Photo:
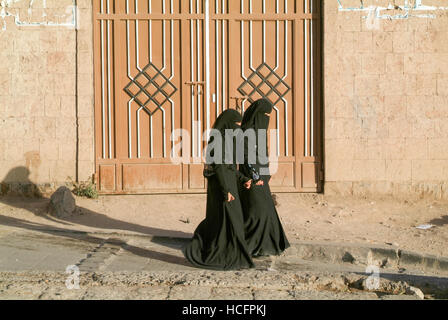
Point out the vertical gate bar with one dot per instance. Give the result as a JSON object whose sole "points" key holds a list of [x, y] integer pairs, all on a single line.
{"points": [[299, 101], [264, 31], [250, 38], [163, 69], [199, 88], [138, 133], [128, 65], [137, 58], [276, 38], [163, 38], [284, 77], [192, 80], [97, 87], [242, 52], [137, 38], [151, 133], [185, 94], [173, 112], [138, 68], [103, 85], [309, 92], [277, 111], [130, 128], [312, 81], [108, 85], [217, 59], [207, 62], [150, 30], [224, 73], [151, 138], [234, 55], [119, 100], [223, 106], [306, 84], [318, 148]]}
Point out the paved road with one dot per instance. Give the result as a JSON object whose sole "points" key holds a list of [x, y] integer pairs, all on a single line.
{"points": [[33, 265]]}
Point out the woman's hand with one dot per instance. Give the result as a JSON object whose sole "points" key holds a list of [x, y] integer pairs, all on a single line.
{"points": [[248, 184], [260, 183], [230, 198]]}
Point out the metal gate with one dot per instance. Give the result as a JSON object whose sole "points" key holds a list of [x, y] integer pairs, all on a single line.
{"points": [[164, 65]]}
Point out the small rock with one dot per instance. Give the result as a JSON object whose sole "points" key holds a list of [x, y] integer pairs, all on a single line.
{"points": [[344, 213], [416, 291], [62, 203]]}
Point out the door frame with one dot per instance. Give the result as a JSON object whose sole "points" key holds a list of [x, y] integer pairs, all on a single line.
{"points": [[309, 154]]}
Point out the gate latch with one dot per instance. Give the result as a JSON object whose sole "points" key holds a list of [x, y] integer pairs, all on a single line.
{"points": [[195, 84]]}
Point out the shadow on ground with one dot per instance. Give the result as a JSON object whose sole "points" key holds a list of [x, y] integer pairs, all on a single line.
{"points": [[440, 222], [101, 221]]}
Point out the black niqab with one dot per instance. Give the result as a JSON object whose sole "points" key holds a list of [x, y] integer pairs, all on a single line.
{"points": [[255, 116], [219, 241], [228, 120], [264, 233]]}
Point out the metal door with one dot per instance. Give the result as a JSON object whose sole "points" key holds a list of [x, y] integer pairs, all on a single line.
{"points": [[164, 65]]}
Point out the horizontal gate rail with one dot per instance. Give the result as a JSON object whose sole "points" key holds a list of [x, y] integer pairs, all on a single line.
{"points": [[150, 16], [265, 16], [193, 16]]}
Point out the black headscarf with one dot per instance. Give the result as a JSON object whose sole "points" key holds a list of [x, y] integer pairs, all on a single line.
{"points": [[226, 121], [255, 117]]}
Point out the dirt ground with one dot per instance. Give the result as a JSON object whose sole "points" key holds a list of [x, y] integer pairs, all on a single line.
{"points": [[248, 285], [304, 217]]}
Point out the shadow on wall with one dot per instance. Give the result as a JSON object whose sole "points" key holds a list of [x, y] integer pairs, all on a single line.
{"points": [[17, 182], [40, 205]]}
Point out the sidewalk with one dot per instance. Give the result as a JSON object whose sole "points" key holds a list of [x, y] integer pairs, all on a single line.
{"points": [[131, 243], [304, 218], [33, 265]]}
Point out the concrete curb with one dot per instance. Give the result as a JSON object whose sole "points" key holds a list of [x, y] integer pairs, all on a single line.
{"points": [[360, 254], [353, 253]]}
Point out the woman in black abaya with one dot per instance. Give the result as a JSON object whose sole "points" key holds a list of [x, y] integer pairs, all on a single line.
{"points": [[264, 232], [219, 241]]}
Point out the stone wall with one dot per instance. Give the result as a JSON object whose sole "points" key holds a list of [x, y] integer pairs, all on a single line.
{"points": [[44, 93], [386, 97]]}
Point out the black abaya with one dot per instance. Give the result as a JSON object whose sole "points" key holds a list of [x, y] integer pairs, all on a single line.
{"points": [[264, 232], [219, 241]]}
